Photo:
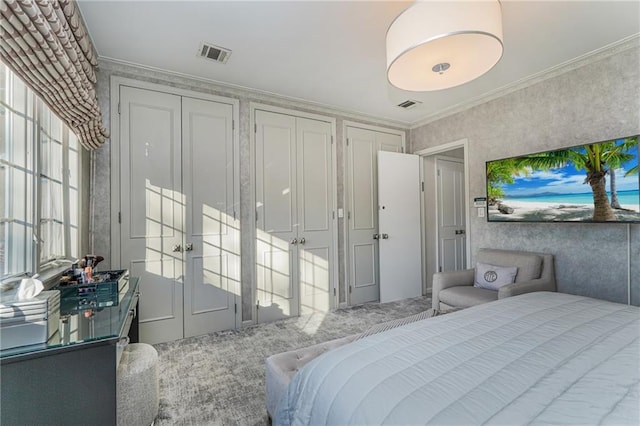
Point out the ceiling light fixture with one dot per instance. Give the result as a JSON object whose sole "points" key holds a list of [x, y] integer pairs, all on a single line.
{"points": [[436, 45]]}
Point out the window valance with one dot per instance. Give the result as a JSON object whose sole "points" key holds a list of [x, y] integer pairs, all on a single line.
{"points": [[46, 43]]}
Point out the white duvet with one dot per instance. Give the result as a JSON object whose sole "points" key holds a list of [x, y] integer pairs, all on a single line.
{"points": [[539, 358]]}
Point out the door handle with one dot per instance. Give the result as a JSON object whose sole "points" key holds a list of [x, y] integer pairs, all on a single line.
{"points": [[302, 241], [294, 241], [188, 247], [385, 236], [376, 236], [177, 248]]}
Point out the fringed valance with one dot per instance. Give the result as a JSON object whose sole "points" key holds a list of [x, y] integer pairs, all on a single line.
{"points": [[46, 44]]}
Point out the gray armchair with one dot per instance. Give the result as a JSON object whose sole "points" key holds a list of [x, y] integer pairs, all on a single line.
{"points": [[454, 289]]}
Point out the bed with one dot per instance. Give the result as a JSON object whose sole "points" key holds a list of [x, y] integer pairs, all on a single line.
{"points": [[538, 358]]}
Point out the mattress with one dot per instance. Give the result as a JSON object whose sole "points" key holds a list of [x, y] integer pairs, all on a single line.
{"points": [[538, 358]]}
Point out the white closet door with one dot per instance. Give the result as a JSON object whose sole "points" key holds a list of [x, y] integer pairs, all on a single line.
{"points": [[362, 214], [315, 222], [277, 292], [152, 208], [212, 239]]}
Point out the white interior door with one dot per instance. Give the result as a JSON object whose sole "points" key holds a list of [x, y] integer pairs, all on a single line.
{"points": [[152, 208], [362, 211], [399, 216], [212, 238], [277, 292], [452, 236], [315, 222]]}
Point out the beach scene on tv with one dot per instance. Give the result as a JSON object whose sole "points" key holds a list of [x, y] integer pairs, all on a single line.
{"points": [[596, 182]]}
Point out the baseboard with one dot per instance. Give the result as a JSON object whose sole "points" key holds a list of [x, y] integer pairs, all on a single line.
{"points": [[247, 323], [342, 305]]}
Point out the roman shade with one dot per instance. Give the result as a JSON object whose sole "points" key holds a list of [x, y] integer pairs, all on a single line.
{"points": [[45, 42]]}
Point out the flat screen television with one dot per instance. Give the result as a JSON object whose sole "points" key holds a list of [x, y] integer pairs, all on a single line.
{"points": [[596, 182]]}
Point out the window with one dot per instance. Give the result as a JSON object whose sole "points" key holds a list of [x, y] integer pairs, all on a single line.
{"points": [[40, 162]]}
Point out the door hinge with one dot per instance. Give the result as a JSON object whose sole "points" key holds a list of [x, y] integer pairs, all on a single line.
{"points": [[257, 304], [350, 289], [235, 308], [119, 217], [255, 127], [118, 107], [439, 268], [331, 140], [349, 215], [422, 185], [233, 124], [333, 214], [334, 291], [438, 172], [402, 149], [234, 215], [256, 215]]}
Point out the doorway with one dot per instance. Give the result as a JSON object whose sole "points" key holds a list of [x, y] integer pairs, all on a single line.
{"points": [[445, 209]]}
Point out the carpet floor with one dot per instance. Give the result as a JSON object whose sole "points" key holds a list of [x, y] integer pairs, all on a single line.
{"points": [[218, 378]]}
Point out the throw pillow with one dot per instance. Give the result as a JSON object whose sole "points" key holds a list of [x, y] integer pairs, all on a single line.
{"points": [[493, 277]]}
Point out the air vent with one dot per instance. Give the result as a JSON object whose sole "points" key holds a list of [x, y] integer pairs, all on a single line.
{"points": [[408, 104], [214, 53]]}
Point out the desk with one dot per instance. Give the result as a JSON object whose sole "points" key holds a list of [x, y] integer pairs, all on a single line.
{"points": [[71, 379]]}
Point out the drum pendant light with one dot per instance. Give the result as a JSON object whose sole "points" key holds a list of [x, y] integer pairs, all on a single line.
{"points": [[436, 45]]}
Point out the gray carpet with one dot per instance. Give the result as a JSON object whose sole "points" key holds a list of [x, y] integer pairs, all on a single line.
{"points": [[218, 378]]}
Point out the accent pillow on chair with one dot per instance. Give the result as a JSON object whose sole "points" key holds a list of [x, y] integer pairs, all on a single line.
{"points": [[492, 277]]}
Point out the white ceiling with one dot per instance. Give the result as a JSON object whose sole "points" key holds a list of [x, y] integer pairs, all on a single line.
{"points": [[333, 52]]}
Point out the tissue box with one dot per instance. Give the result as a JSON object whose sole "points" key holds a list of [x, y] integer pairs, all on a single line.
{"points": [[28, 322]]}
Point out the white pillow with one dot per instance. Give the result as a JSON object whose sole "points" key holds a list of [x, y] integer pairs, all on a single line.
{"points": [[493, 277]]}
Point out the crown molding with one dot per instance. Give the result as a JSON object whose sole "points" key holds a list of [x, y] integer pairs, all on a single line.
{"points": [[233, 90], [578, 62], [238, 91]]}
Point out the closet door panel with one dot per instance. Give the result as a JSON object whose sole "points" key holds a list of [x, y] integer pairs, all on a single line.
{"points": [[277, 293], [315, 279], [362, 216], [314, 175], [152, 207], [315, 232], [212, 257]]}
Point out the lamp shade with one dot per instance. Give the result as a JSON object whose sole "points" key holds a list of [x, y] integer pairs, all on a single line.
{"points": [[436, 45]]}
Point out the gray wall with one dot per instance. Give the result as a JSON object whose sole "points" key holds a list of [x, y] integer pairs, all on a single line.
{"points": [[598, 101], [101, 161]]}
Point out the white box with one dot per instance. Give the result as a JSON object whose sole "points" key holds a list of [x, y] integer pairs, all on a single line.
{"points": [[28, 322]]}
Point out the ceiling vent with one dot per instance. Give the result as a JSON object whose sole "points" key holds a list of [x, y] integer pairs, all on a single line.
{"points": [[214, 53], [409, 104]]}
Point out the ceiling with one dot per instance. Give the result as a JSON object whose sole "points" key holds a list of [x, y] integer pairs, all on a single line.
{"points": [[333, 52]]}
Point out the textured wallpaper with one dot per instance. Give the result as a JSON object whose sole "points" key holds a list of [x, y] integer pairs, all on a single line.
{"points": [[598, 101]]}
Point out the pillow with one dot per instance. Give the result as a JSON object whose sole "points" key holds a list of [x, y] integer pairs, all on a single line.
{"points": [[493, 277]]}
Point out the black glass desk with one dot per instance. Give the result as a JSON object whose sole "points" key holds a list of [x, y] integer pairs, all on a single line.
{"points": [[71, 379]]}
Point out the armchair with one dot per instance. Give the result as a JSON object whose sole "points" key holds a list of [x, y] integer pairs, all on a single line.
{"points": [[455, 289]]}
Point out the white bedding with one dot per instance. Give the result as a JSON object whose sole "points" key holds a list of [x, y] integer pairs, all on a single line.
{"points": [[539, 358]]}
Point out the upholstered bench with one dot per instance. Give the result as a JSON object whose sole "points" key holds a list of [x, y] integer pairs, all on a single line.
{"points": [[280, 368], [137, 385]]}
